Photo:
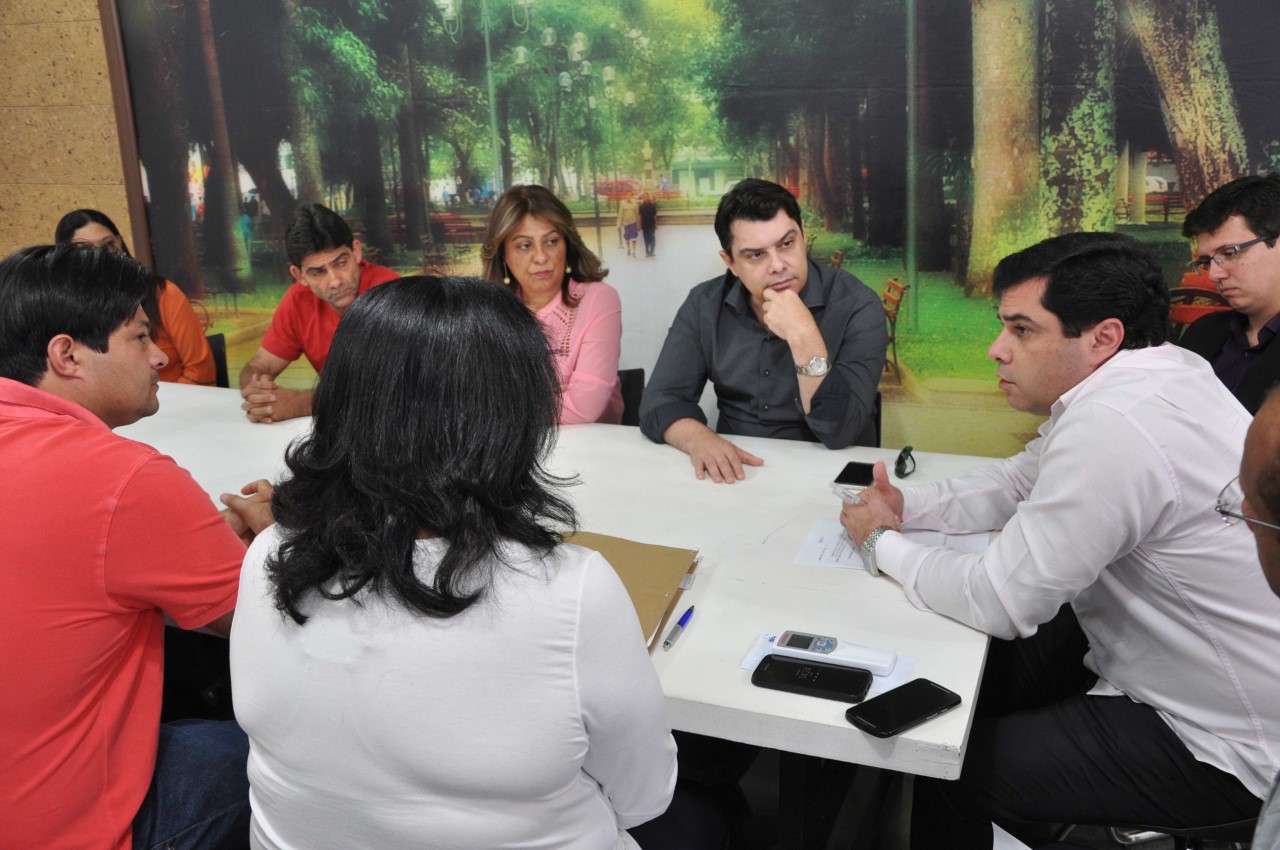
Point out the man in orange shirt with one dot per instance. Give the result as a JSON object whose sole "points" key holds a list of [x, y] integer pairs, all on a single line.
{"points": [[102, 538], [328, 272]]}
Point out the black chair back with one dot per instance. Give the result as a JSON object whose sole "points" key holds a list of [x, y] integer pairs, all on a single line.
{"points": [[632, 381], [218, 345]]}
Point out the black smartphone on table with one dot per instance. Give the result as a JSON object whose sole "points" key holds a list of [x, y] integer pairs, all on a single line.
{"points": [[902, 708], [853, 479], [812, 678]]}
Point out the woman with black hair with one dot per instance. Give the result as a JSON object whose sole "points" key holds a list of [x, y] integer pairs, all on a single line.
{"points": [[174, 325], [419, 661]]}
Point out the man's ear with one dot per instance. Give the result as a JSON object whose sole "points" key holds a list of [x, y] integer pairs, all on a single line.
{"points": [[296, 272], [355, 249], [61, 353], [728, 261], [1108, 336]]}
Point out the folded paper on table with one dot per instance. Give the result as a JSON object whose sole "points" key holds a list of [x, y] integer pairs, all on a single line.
{"points": [[654, 576]]}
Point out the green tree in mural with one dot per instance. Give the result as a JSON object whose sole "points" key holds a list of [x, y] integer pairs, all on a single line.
{"points": [[548, 74], [1006, 134], [820, 84], [154, 32], [656, 95], [354, 107], [1077, 95], [1183, 48], [225, 251], [303, 103], [255, 100]]}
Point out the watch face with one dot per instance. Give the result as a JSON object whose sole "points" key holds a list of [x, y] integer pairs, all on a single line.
{"points": [[816, 368]]}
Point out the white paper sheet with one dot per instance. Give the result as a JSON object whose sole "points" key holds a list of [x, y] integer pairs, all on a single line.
{"points": [[828, 546]]}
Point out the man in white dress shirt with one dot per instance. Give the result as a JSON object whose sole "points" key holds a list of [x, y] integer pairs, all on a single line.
{"points": [[1134, 679]]}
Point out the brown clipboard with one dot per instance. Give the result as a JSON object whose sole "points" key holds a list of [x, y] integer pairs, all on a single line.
{"points": [[653, 575]]}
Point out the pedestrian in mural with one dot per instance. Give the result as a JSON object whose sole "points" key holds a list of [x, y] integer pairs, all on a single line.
{"points": [[648, 223], [629, 222]]}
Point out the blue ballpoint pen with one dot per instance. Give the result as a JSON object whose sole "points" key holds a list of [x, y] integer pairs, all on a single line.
{"points": [[677, 629]]}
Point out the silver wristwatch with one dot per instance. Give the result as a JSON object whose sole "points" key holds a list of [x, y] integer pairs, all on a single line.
{"points": [[869, 548], [815, 368]]}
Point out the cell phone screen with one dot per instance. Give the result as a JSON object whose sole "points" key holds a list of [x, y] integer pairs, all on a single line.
{"points": [[856, 473], [902, 708], [812, 678]]}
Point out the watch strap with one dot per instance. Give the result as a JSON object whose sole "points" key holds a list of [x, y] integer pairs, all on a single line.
{"points": [[869, 548]]}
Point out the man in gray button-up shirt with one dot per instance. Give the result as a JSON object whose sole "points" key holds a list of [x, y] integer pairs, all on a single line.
{"points": [[794, 349]]}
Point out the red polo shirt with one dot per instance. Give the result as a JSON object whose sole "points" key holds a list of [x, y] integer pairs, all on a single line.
{"points": [[303, 324], [100, 537]]}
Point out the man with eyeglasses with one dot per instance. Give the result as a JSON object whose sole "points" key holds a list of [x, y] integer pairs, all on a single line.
{"points": [[1234, 232], [1134, 679], [1255, 498]]}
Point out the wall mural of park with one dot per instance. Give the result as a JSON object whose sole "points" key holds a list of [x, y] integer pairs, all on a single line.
{"points": [[925, 139]]}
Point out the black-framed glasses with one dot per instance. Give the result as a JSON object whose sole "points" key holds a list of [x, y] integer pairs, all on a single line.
{"points": [[905, 464], [1224, 255], [1231, 506]]}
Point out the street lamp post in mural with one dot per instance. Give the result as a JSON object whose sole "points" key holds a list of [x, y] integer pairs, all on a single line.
{"points": [[591, 153], [578, 66], [636, 50], [451, 12], [628, 99]]}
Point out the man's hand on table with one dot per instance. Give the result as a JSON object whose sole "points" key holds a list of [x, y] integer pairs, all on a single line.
{"points": [[881, 506], [249, 513], [266, 401], [710, 453]]}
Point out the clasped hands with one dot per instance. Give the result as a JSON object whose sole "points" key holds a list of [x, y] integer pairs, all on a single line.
{"points": [[250, 513], [266, 401], [881, 505]]}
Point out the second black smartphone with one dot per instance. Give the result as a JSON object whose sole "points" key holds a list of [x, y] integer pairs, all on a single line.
{"points": [[812, 678], [898, 710]]}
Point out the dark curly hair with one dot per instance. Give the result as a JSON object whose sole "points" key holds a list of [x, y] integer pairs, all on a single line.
{"points": [[433, 416]]}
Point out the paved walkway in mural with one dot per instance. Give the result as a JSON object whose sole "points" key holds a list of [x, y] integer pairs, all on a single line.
{"points": [[945, 415]]}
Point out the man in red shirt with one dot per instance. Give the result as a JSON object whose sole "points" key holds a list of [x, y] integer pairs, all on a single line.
{"points": [[328, 273], [102, 538]]}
